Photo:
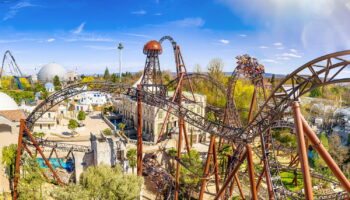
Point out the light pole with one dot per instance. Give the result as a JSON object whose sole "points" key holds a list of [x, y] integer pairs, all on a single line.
{"points": [[120, 47]]}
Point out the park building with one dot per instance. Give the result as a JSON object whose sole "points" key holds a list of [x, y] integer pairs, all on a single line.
{"points": [[10, 116], [153, 117], [49, 120]]}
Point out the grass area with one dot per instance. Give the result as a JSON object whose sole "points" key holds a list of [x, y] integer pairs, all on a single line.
{"points": [[287, 179]]}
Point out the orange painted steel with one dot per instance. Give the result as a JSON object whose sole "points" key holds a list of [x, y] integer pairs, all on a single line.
{"points": [[325, 155], [231, 176], [139, 131], [179, 148], [216, 168], [21, 144], [250, 154], [207, 165], [302, 151], [251, 172], [187, 142]]}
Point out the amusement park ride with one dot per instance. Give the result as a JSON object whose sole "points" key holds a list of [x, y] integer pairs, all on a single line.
{"points": [[9, 62], [266, 113]]}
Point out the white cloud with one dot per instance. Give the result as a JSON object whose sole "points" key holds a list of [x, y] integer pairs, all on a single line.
{"points": [[90, 39], [277, 44], [158, 14], [189, 22], [104, 48], [283, 58], [280, 48], [269, 61], [50, 40], [243, 35], [15, 9], [139, 12], [224, 41], [263, 47], [8, 41], [79, 29], [137, 35], [291, 55], [293, 50]]}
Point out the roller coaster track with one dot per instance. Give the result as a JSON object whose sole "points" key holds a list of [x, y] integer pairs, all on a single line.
{"points": [[316, 73]]}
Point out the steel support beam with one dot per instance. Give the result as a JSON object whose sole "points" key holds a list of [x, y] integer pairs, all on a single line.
{"points": [[139, 131], [231, 176], [179, 146], [18, 160], [207, 165], [302, 151], [325, 155]]}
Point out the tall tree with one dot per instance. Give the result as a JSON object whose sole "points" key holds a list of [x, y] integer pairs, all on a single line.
{"points": [[106, 75], [114, 78], [131, 155], [215, 67], [273, 80], [57, 83], [9, 161]]}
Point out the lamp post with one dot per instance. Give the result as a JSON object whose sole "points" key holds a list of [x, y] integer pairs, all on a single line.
{"points": [[120, 47]]}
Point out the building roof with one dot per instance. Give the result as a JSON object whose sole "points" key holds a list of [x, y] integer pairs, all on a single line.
{"points": [[49, 71], [49, 85], [7, 103], [14, 115]]}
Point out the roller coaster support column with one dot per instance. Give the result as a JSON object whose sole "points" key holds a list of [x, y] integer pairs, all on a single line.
{"points": [[139, 131], [231, 176], [179, 146], [18, 161], [325, 155], [207, 164], [216, 168], [302, 151], [250, 154]]}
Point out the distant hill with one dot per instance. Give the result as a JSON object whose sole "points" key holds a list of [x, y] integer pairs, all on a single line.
{"points": [[267, 75]]}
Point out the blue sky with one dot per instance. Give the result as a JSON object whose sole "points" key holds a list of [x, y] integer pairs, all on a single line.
{"points": [[282, 34]]}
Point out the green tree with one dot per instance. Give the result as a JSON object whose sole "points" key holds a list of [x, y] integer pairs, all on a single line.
{"points": [[39, 134], [121, 128], [44, 94], [106, 75], [223, 153], [9, 161], [131, 155], [32, 181], [114, 78], [272, 81], [316, 93], [57, 83], [189, 180], [324, 140], [71, 192], [172, 152], [81, 115], [72, 125], [104, 182]]}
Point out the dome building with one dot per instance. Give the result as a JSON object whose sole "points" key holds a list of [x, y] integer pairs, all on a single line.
{"points": [[49, 71], [7, 103]]}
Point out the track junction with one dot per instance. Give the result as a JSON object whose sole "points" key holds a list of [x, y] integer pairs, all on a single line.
{"points": [[265, 113]]}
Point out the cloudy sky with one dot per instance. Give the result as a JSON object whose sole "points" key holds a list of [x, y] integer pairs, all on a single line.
{"points": [[84, 34]]}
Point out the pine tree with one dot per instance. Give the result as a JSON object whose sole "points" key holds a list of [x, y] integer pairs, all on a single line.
{"points": [[57, 83], [106, 76]]}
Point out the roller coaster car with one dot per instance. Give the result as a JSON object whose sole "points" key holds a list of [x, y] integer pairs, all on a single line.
{"points": [[249, 66]]}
